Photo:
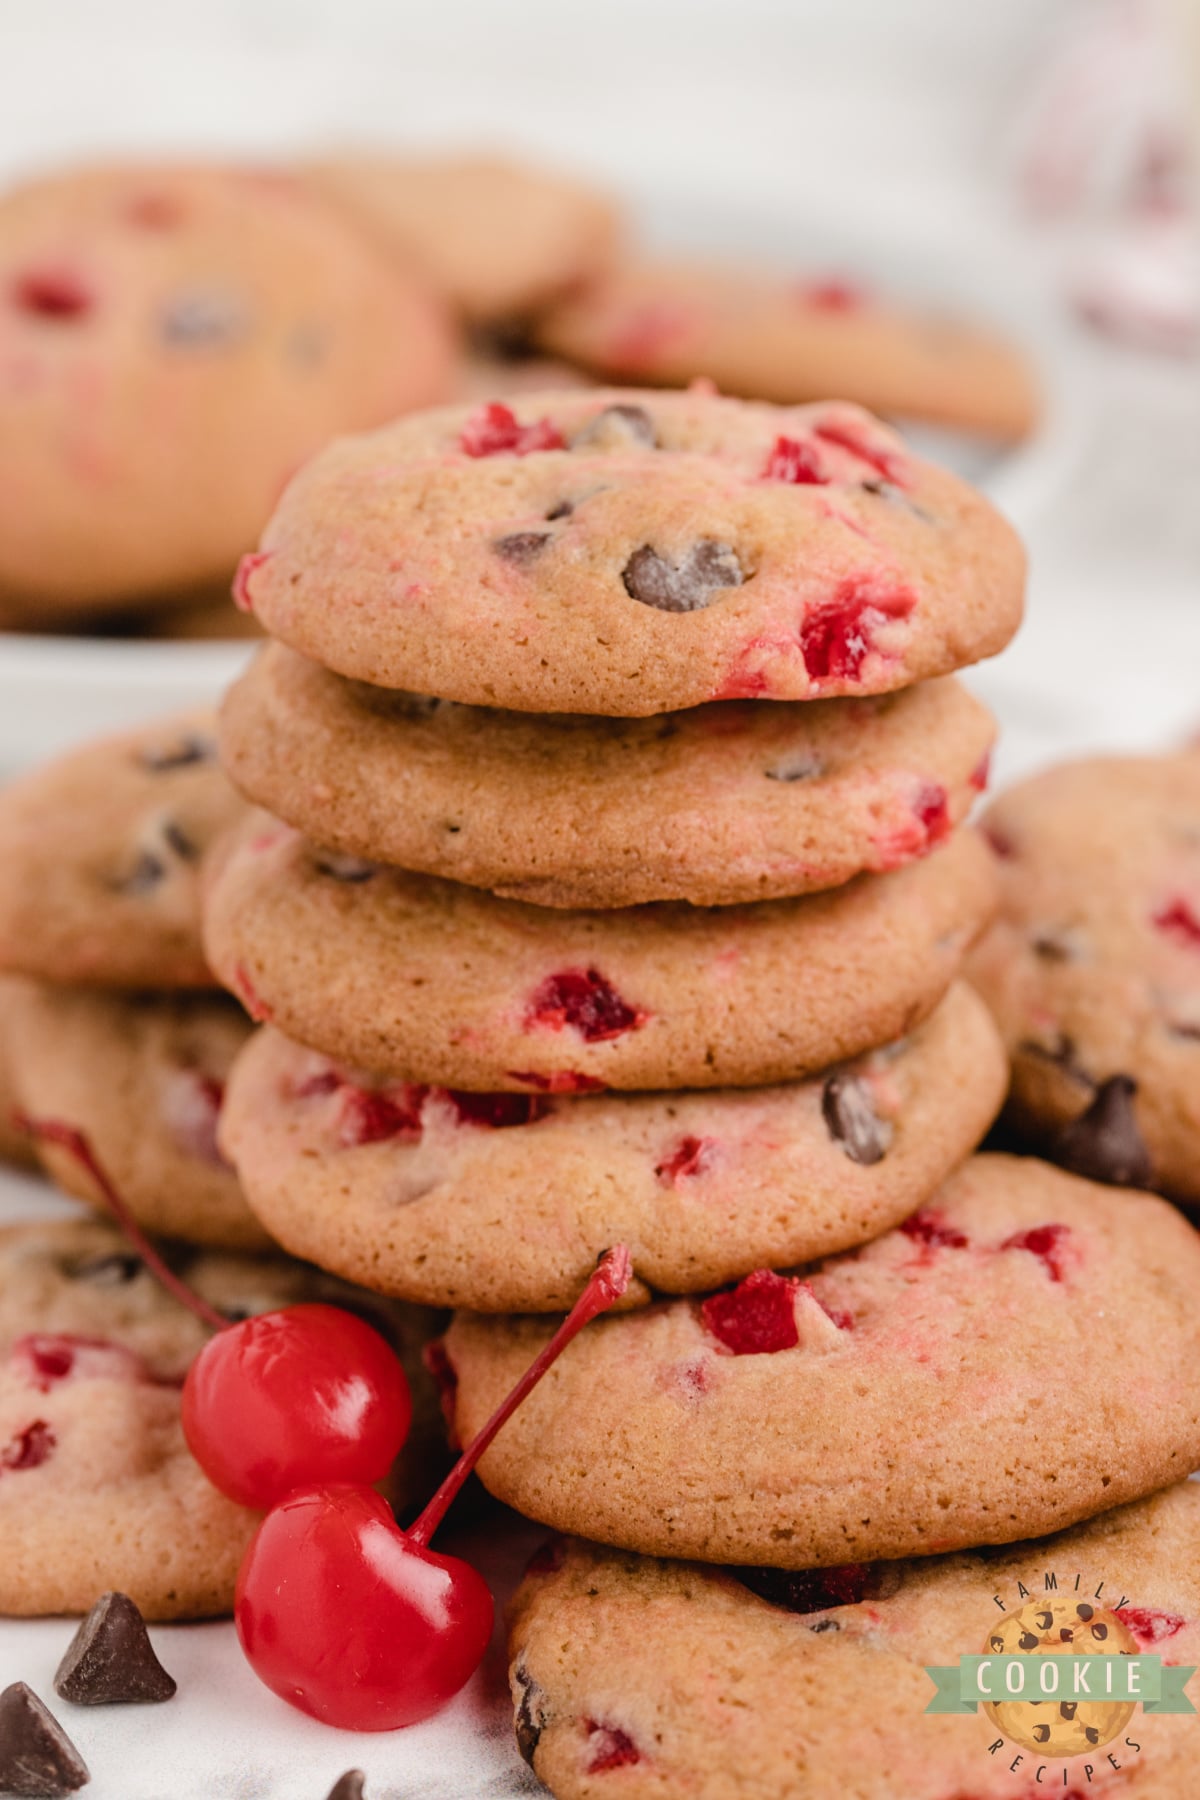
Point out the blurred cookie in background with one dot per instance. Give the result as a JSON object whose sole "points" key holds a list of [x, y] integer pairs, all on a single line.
{"points": [[495, 239], [765, 336], [175, 341]]}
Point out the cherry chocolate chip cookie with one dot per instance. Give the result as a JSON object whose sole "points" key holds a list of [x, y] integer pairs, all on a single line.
{"points": [[823, 1674], [917, 1395], [628, 553], [503, 1202], [1092, 967], [428, 981], [716, 805], [100, 854]]}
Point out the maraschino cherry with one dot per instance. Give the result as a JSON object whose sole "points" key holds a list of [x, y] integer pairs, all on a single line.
{"points": [[360, 1623], [282, 1400]]}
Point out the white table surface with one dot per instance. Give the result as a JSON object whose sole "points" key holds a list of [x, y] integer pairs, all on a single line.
{"points": [[894, 117]]}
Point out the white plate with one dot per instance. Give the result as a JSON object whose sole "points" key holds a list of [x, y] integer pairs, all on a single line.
{"points": [[57, 691]]}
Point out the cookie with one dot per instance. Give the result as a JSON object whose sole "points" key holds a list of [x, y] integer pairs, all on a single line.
{"points": [[718, 1684], [1092, 967], [14, 1144], [717, 805], [100, 854], [143, 1075], [920, 1394], [495, 239], [99, 1490], [429, 981], [503, 1202], [178, 341], [629, 553], [769, 338]]}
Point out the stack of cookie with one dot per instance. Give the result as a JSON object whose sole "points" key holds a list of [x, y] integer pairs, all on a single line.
{"points": [[111, 1016], [715, 874]]}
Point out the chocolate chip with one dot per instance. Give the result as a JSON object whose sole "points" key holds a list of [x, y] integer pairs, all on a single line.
{"points": [[529, 1720], [147, 871], [108, 1271], [1084, 1611], [1104, 1142], [707, 570], [1059, 944], [852, 1121], [617, 425], [348, 1786], [178, 840], [110, 1661], [820, 1625], [1066, 1635], [1062, 1053], [36, 1755], [1100, 1632], [996, 1643], [521, 546], [1027, 1641], [1042, 1733], [202, 318], [1091, 1734], [562, 510], [1043, 1620], [1067, 1708], [181, 754], [350, 869], [804, 765]]}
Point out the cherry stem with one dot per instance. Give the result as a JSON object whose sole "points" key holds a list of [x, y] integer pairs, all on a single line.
{"points": [[69, 1138], [608, 1282]]}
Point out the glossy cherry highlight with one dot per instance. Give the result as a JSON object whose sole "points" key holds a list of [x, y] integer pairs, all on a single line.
{"points": [[288, 1398], [359, 1623]]}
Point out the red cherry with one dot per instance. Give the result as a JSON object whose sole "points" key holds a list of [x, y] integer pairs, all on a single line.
{"points": [[339, 1612], [359, 1623], [286, 1399]]}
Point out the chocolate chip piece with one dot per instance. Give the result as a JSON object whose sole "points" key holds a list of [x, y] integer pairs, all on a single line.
{"points": [[36, 1755], [708, 568], [1100, 1632], [521, 546], [616, 426], [1085, 1611], [820, 1625], [348, 1786], [1062, 1053], [1057, 944], [111, 1271], [852, 1121], [1066, 1635], [1027, 1641], [202, 318], [177, 839], [804, 765], [181, 754], [529, 1720], [147, 871], [1104, 1142], [110, 1661], [1043, 1620], [562, 510], [351, 869], [1091, 1734], [1067, 1708], [1042, 1733]]}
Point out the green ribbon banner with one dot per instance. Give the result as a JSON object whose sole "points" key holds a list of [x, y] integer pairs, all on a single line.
{"points": [[962, 1686]]}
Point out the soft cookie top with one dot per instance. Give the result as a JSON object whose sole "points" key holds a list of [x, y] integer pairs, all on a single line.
{"points": [[919, 1394], [1093, 965], [100, 854], [629, 552], [173, 343]]}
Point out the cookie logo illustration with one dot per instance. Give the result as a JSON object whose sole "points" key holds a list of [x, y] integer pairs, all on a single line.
{"points": [[1062, 1670], [1069, 1726]]}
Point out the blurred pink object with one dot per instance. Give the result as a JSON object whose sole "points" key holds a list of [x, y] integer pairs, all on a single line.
{"points": [[1106, 163]]}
